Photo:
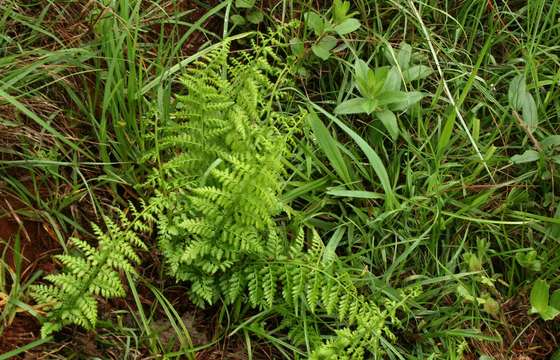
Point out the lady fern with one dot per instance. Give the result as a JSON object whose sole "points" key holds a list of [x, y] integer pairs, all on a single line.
{"points": [[218, 180], [221, 173], [71, 296], [218, 173], [305, 277]]}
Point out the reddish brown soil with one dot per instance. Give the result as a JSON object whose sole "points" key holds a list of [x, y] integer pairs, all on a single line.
{"points": [[525, 336], [36, 240], [22, 330], [35, 249]]}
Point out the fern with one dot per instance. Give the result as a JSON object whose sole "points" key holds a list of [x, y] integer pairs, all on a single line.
{"points": [[218, 181], [220, 177], [327, 289], [218, 172], [71, 296]]}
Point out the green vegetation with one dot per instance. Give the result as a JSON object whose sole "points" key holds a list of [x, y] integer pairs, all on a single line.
{"points": [[286, 180]]}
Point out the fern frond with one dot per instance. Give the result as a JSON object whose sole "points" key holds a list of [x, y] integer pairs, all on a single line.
{"points": [[72, 294]]}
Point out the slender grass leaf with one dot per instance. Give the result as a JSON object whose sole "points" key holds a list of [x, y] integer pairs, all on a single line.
{"points": [[373, 158], [329, 145], [356, 194], [45, 125], [304, 189], [329, 253]]}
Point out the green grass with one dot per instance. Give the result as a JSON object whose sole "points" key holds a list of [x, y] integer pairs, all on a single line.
{"points": [[442, 208]]}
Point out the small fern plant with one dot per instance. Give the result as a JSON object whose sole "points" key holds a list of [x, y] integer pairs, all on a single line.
{"points": [[71, 296], [220, 172], [292, 277]]}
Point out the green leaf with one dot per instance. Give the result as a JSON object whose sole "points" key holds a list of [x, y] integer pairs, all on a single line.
{"points": [[356, 106], [364, 77], [555, 299], [527, 157], [550, 313], [315, 22], [255, 17], [361, 70], [324, 47], [393, 80], [491, 306], [356, 194], [374, 159], [244, 4], [297, 46], [340, 10], [404, 55], [329, 253], [238, 20], [529, 260], [417, 72], [329, 145], [539, 297], [556, 355], [551, 141], [486, 357], [399, 100], [529, 109], [464, 293], [392, 97], [347, 26], [389, 120], [517, 90]]}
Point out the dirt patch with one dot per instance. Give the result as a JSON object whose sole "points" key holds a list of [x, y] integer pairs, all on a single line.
{"points": [[26, 246], [22, 330], [25, 243], [526, 337]]}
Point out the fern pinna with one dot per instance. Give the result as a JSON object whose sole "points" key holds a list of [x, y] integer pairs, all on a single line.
{"points": [[71, 296]]}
